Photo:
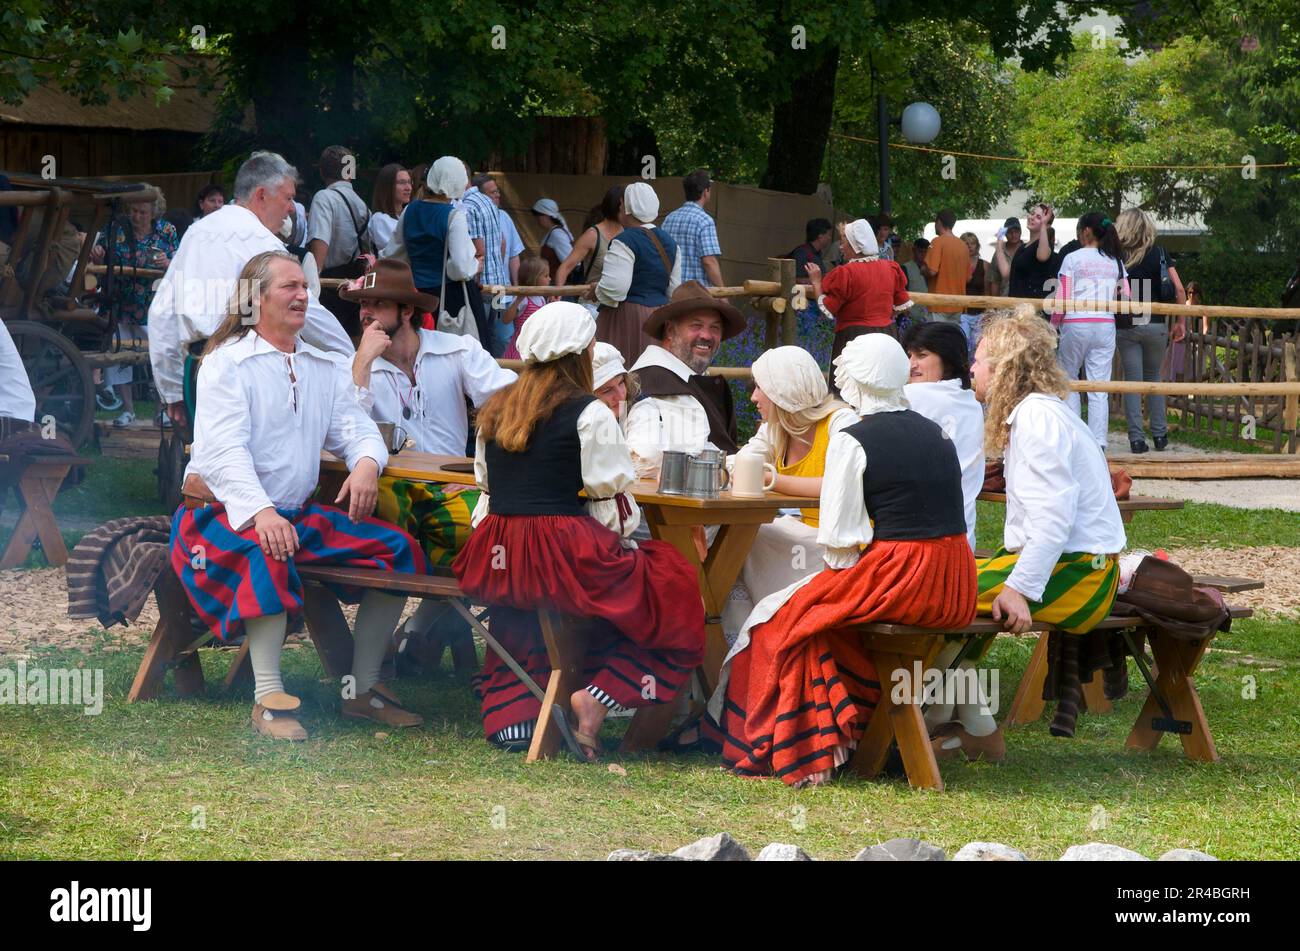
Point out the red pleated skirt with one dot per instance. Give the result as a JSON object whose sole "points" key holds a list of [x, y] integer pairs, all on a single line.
{"points": [[647, 615], [801, 695]]}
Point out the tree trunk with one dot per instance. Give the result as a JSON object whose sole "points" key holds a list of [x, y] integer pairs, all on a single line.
{"points": [[801, 125], [628, 155], [276, 64]]}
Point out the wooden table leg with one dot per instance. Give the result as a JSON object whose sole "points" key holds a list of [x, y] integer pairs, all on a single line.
{"points": [[1178, 661], [649, 725], [566, 647], [329, 630], [1028, 704], [38, 486]]}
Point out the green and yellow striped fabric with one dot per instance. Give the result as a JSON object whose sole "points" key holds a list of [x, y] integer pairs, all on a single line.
{"points": [[440, 522], [1079, 594]]}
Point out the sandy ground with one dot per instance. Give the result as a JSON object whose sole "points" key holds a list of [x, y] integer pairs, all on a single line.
{"points": [[33, 604], [1234, 493]]}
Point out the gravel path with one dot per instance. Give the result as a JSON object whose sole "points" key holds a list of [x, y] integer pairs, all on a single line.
{"points": [[33, 604]]}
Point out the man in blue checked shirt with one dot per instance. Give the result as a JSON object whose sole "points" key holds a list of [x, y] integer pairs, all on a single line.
{"points": [[696, 233], [484, 220]]}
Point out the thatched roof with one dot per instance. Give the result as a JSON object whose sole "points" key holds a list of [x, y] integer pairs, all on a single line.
{"points": [[186, 111]]}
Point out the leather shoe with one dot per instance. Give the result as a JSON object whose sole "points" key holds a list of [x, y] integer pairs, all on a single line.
{"points": [[274, 716], [1137, 445], [379, 704], [952, 740], [1162, 443]]}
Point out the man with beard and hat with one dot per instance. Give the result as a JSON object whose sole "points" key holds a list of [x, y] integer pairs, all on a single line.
{"points": [[680, 407], [420, 380]]}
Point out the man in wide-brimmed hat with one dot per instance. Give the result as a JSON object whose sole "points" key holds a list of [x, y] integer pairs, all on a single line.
{"points": [[419, 380], [680, 407]]}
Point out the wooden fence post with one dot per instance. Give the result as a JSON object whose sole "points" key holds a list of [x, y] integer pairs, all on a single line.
{"points": [[1291, 410]]}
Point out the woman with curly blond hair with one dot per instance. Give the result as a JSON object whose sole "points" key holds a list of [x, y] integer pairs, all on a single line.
{"points": [[1063, 529]]}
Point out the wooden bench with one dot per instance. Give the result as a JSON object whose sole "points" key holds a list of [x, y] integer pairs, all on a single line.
{"points": [[37, 485], [899, 647], [174, 645]]}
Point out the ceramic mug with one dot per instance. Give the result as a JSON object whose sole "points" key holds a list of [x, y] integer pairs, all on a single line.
{"points": [[749, 476]]}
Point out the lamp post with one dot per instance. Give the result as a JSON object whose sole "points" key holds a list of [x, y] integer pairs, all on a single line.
{"points": [[920, 123]]}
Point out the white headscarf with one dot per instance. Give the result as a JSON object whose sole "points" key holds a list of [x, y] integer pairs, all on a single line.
{"points": [[606, 363], [548, 207], [862, 238], [641, 202], [555, 330], [791, 378], [871, 373], [447, 177]]}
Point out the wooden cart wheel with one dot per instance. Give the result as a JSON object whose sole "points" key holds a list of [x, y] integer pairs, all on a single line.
{"points": [[60, 378]]}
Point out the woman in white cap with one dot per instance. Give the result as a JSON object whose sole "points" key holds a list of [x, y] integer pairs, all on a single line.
{"points": [[640, 273], [799, 418], [557, 239], [611, 382], [799, 691], [865, 293], [433, 237], [538, 543]]}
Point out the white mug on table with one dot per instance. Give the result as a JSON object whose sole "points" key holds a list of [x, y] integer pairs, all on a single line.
{"points": [[748, 477]]}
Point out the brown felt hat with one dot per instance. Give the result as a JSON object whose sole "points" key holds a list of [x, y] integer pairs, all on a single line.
{"points": [[689, 297], [390, 280]]}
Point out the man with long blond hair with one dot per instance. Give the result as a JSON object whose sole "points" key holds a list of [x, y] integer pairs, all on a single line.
{"points": [[542, 441], [1063, 530], [268, 403]]}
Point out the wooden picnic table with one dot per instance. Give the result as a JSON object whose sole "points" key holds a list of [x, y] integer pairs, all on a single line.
{"points": [[1127, 507], [37, 485], [670, 518]]}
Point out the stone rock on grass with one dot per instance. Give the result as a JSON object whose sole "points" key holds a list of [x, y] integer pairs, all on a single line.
{"points": [[1101, 852], [988, 852], [1186, 855], [901, 850], [640, 855], [716, 848], [781, 852]]}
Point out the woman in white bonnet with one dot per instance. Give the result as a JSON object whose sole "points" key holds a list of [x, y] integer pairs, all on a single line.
{"points": [[799, 690], [799, 418], [611, 382]]}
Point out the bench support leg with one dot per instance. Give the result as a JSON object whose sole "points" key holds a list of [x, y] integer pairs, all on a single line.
{"points": [[329, 631], [566, 646], [1028, 704], [37, 488], [1177, 662], [171, 635], [241, 669], [903, 722]]}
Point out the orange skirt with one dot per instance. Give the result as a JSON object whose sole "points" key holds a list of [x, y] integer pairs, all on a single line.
{"points": [[803, 692]]}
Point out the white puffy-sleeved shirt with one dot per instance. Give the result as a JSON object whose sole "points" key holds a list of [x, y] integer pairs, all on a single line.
{"points": [[616, 274], [16, 398], [193, 295], [448, 368], [606, 471], [263, 418], [656, 423], [1059, 496], [961, 418], [843, 522]]}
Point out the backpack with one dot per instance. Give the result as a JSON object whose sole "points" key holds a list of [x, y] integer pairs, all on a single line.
{"points": [[1167, 294]]}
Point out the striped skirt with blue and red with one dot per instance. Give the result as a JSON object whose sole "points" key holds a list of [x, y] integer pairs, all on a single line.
{"points": [[230, 580]]}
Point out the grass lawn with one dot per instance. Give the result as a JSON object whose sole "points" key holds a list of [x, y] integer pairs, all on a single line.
{"points": [[188, 779]]}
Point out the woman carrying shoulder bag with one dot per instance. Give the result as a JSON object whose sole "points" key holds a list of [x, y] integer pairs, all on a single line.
{"points": [[1142, 347]]}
